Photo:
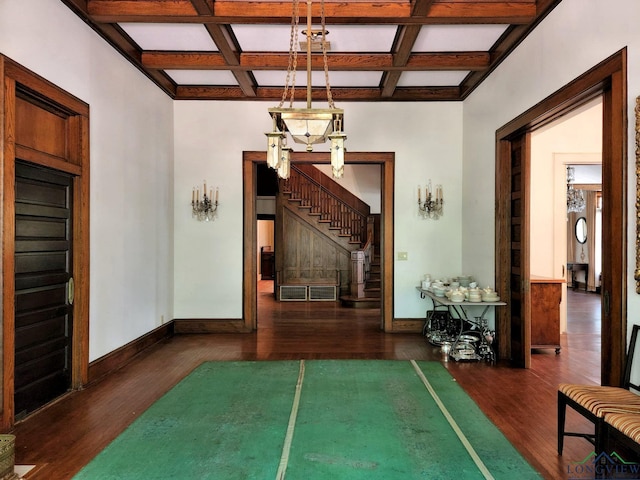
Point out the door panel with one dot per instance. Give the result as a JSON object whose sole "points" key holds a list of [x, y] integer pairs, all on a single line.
{"points": [[43, 314], [519, 302]]}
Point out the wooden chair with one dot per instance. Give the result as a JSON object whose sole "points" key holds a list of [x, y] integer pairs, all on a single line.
{"points": [[595, 401], [622, 429]]}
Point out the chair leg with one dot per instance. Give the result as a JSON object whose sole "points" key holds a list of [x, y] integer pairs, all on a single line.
{"points": [[600, 436], [562, 412]]}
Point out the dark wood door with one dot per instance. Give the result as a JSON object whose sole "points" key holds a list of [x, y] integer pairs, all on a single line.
{"points": [[519, 301], [43, 286]]}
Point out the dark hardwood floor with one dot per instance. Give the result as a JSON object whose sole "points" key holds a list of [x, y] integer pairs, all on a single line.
{"points": [[67, 434]]}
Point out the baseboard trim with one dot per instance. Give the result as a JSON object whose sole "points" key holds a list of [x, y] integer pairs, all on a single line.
{"points": [[407, 325], [116, 359], [209, 325]]}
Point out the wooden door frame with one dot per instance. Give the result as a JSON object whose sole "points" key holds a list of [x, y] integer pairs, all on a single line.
{"points": [[249, 282], [17, 80], [607, 79]]}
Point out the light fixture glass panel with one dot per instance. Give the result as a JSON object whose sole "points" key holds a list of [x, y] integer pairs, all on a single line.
{"points": [[274, 149], [284, 169], [308, 128], [337, 154]]}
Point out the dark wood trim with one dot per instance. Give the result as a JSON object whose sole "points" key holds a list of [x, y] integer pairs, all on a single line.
{"points": [[249, 282], [502, 245], [19, 81], [120, 357], [8, 249], [386, 243], [609, 80], [614, 226], [407, 325], [209, 325]]}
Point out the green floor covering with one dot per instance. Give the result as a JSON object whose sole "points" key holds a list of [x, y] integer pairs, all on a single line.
{"points": [[356, 419]]}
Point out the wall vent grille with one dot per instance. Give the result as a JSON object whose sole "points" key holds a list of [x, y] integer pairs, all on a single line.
{"points": [[290, 293], [322, 293]]}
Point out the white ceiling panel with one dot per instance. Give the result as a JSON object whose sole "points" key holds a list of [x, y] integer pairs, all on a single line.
{"points": [[262, 38], [271, 78], [170, 36], [202, 77], [343, 38], [435, 78], [457, 38]]}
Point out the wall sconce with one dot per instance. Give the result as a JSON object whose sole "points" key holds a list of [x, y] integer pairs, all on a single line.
{"points": [[433, 200], [204, 209]]}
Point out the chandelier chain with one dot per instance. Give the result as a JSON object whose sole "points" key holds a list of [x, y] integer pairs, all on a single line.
{"points": [[324, 56], [293, 57]]}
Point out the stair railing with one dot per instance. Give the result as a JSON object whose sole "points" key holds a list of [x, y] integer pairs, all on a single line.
{"points": [[361, 267], [329, 207]]}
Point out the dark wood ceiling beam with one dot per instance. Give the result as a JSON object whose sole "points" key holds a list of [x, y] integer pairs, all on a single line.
{"points": [[448, 61], [335, 61], [250, 12], [339, 94], [203, 7], [230, 51], [390, 82], [405, 39], [119, 40], [420, 8], [505, 45]]}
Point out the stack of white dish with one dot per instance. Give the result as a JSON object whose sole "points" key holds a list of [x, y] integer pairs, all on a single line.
{"points": [[489, 295], [474, 295], [457, 296], [438, 291]]}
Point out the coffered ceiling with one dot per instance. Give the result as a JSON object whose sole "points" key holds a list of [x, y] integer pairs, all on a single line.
{"points": [[387, 50]]}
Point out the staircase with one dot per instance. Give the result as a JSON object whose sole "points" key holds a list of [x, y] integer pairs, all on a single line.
{"points": [[343, 217], [371, 298], [343, 214]]}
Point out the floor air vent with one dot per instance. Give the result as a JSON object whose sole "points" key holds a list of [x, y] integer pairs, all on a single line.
{"points": [[290, 293], [322, 292]]}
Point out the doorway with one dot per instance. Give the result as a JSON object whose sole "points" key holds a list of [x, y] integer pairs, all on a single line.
{"points": [[251, 160], [565, 229], [48, 128], [608, 80]]}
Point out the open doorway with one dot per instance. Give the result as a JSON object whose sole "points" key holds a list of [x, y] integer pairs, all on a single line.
{"points": [[606, 80], [251, 160], [297, 238], [566, 233]]}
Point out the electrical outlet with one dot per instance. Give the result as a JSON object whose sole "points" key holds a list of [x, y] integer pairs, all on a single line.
{"points": [[403, 256], [161, 319]]}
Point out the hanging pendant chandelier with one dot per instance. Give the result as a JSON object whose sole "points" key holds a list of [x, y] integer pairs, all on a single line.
{"points": [[308, 125], [575, 198]]}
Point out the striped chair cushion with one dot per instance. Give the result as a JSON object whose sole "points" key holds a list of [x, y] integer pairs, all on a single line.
{"points": [[626, 423], [601, 400]]}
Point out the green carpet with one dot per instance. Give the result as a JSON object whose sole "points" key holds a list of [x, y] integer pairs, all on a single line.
{"points": [[350, 419]]}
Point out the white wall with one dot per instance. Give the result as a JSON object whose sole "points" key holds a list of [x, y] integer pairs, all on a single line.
{"points": [[361, 180], [578, 137], [131, 139], [209, 140], [577, 35]]}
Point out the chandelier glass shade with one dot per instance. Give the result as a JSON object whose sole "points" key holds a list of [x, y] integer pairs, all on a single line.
{"points": [[575, 198], [307, 126]]}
